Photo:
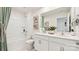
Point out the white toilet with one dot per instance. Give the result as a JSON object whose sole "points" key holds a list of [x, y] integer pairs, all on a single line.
{"points": [[30, 45]]}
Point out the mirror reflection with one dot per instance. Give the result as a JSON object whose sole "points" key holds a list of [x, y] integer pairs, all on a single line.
{"points": [[58, 20]]}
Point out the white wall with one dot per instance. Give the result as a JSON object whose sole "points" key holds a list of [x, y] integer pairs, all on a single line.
{"points": [[15, 35]]}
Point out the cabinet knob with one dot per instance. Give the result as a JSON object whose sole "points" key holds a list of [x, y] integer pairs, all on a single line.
{"points": [[77, 43], [61, 48]]}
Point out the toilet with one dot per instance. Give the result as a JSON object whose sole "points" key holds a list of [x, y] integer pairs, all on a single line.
{"points": [[30, 44]]}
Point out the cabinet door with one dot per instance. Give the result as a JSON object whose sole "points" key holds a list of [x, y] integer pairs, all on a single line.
{"points": [[44, 45], [41, 45], [54, 46], [37, 44]]}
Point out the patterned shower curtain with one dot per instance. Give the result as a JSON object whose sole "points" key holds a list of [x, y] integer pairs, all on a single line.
{"points": [[4, 19]]}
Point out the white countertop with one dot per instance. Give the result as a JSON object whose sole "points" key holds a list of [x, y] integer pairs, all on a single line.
{"points": [[69, 37]]}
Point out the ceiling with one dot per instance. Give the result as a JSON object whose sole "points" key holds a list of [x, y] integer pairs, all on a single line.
{"points": [[27, 9]]}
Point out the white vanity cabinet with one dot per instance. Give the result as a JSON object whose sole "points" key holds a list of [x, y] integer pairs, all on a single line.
{"points": [[53, 43]]}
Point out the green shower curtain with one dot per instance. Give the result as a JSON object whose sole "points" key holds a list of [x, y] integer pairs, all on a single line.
{"points": [[4, 19], [42, 21]]}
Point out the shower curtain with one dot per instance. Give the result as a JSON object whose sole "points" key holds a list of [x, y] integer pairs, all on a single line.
{"points": [[4, 19]]}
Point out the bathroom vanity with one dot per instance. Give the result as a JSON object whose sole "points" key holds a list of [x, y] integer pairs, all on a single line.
{"points": [[54, 42]]}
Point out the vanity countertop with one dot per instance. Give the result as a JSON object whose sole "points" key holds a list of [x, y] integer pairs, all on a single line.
{"points": [[69, 37]]}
